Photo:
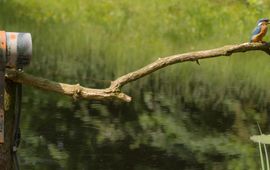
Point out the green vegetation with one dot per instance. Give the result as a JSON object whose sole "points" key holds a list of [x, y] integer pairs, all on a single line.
{"points": [[188, 115], [262, 140]]}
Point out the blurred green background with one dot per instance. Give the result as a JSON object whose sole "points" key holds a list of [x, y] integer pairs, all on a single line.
{"points": [[185, 116]]}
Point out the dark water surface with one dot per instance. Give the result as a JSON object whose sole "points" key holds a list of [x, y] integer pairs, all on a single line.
{"points": [[156, 131]]}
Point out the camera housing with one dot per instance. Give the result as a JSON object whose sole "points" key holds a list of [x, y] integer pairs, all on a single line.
{"points": [[15, 49]]}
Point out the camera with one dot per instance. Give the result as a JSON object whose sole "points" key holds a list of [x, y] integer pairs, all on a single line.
{"points": [[15, 49]]}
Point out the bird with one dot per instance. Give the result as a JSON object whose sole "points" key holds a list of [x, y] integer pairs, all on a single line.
{"points": [[260, 30]]}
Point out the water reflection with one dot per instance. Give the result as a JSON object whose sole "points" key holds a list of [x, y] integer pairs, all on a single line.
{"points": [[156, 132]]}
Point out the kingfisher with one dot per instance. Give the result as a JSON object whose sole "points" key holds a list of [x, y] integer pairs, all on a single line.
{"points": [[260, 30]]}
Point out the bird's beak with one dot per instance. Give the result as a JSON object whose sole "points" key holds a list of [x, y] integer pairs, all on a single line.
{"points": [[268, 22]]}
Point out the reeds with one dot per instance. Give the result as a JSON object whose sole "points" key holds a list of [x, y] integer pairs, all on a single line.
{"points": [[262, 140]]}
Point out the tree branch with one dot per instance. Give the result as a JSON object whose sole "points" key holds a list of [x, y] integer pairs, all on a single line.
{"points": [[76, 91], [191, 56], [113, 92]]}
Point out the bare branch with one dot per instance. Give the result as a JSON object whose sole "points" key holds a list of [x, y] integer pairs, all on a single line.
{"points": [[191, 56], [76, 91], [113, 92]]}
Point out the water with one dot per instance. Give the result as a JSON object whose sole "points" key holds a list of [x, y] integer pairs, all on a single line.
{"points": [[154, 132]]}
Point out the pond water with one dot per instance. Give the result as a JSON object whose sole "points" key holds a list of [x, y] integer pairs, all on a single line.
{"points": [[156, 131]]}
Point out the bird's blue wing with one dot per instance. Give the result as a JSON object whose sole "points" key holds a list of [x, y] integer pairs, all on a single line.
{"points": [[256, 31]]}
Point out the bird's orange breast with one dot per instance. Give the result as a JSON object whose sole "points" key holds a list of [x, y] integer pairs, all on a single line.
{"points": [[259, 37]]}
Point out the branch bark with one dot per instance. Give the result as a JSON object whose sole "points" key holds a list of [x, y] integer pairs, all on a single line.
{"points": [[113, 92], [76, 91]]}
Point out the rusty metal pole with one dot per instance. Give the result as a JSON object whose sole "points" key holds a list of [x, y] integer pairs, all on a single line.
{"points": [[6, 158]]}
